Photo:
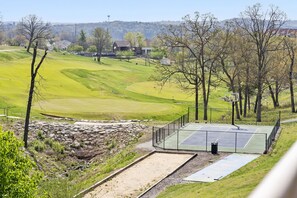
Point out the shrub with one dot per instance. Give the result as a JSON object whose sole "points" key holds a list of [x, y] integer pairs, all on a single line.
{"points": [[17, 175], [48, 142], [40, 135], [38, 145], [57, 147]]}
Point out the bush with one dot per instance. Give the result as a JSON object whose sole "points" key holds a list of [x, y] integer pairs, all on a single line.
{"points": [[40, 135], [57, 147], [38, 145], [49, 142], [17, 175]]}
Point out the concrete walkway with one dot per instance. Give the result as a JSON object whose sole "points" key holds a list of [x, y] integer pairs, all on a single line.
{"points": [[289, 120], [222, 168]]}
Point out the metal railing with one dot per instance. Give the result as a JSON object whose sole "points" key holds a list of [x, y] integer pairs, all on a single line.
{"points": [[281, 180], [159, 134], [272, 135]]}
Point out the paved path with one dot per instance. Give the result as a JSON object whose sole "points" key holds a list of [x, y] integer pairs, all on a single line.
{"points": [[289, 120], [222, 168]]}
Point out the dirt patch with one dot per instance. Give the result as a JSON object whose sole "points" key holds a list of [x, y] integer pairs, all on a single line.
{"points": [[141, 176]]}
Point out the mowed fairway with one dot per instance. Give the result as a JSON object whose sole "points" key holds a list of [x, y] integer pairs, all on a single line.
{"points": [[76, 86]]}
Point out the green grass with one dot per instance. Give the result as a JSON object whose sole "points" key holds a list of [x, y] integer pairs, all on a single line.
{"points": [[77, 80], [243, 181], [75, 86]]}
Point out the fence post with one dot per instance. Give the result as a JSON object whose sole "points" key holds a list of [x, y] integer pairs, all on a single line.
{"points": [[266, 142], [210, 115], [168, 130], [153, 136], [236, 142], [206, 137], [177, 139], [164, 138], [188, 114]]}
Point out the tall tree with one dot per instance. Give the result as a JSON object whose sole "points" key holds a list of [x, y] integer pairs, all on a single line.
{"points": [[230, 61], [33, 74], [291, 48], [261, 27], [196, 38], [101, 41], [82, 40], [33, 29], [136, 39]]}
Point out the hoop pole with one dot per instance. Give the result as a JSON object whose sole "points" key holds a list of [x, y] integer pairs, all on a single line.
{"points": [[232, 113]]}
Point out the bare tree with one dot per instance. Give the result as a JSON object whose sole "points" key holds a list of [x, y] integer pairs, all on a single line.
{"points": [[277, 76], [196, 39], [101, 41], [290, 48], [230, 61], [34, 29], [262, 27], [34, 72]]}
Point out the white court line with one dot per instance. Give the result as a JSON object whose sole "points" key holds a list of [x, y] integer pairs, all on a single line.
{"points": [[250, 139]]}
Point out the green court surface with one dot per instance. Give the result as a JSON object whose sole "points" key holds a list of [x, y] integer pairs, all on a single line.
{"points": [[227, 138]]}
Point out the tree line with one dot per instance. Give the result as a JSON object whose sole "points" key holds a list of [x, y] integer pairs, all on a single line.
{"points": [[249, 54]]}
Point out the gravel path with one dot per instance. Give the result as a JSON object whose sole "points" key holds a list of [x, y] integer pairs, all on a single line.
{"points": [[200, 161], [134, 180]]}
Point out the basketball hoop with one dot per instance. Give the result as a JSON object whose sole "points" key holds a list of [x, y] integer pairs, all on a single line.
{"points": [[232, 98]]}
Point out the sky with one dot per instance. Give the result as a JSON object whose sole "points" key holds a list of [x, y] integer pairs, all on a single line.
{"points": [[84, 11]]}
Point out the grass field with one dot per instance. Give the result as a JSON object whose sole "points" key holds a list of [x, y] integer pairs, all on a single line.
{"points": [[75, 86]]}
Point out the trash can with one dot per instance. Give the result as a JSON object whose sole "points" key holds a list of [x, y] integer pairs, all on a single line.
{"points": [[214, 148]]}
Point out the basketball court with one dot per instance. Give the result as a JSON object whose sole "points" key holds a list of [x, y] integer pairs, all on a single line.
{"points": [[229, 138]]}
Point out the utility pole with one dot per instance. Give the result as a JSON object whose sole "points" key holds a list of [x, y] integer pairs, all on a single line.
{"points": [[108, 16]]}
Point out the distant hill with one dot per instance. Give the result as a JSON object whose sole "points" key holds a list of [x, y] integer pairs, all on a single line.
{"points": [[118, 29]]}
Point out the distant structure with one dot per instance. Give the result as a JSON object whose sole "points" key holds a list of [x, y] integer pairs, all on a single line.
{"points": [[289, 32], [121, 46]]}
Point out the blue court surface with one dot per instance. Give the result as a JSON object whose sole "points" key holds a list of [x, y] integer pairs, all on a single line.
{"points": [[230, 138], [222, 168], [224, 135]]}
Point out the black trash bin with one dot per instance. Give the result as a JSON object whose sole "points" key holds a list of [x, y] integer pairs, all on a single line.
{"points": [[214, 148]]}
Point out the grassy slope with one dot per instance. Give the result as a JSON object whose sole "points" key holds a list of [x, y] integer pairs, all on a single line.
{"points": [[243, 181], [77, 87]]}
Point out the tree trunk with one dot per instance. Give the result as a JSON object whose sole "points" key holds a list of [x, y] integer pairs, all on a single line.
{"points": [[249, 100], [29, 45], [205, 103], [259, 101], [272, 96], [256, 103], [28, 112], [277, 90], [292, 89], [34, 72], [245, 106], [196, 99]]}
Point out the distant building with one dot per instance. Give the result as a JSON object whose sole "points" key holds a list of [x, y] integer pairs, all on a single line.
{"points": [[148, 47], [62, 45], [121, 46]]}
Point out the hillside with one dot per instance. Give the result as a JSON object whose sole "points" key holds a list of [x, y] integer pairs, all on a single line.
{"points": [[117, 29], [75, 86]]}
